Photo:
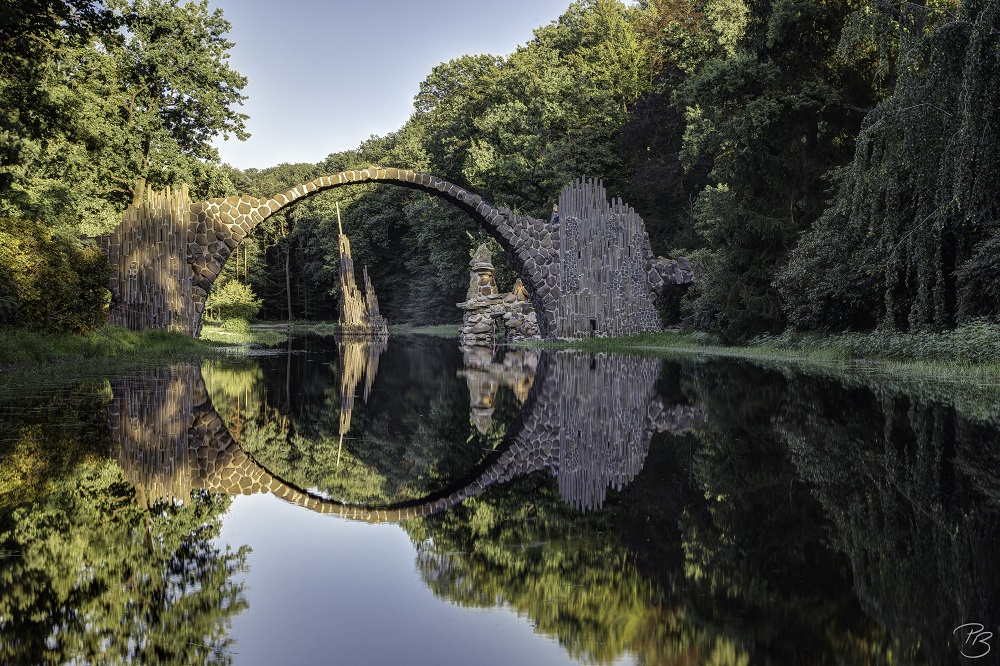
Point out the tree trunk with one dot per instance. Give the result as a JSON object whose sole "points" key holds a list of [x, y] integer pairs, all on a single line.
{"points": [[288, 282], [138, 191]]}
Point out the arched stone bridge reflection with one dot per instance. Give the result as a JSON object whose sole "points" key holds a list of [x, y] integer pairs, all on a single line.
{"points": [[587, 419]]}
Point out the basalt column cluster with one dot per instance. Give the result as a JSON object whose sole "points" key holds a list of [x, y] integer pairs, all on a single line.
{"points": [[609, 278], [359, 313], [152, 285]]}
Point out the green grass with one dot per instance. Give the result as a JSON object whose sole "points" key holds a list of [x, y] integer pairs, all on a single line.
{"points": [[275, 332], [439, 330], [30, 358], [25, 347], [257, 335], [969, 354]]}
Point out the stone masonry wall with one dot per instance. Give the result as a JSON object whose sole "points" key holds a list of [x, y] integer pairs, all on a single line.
{"points": [[608, 288], [485, 307]]}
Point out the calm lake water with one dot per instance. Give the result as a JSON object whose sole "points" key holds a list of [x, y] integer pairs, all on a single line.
{"points": [[411, 503]]}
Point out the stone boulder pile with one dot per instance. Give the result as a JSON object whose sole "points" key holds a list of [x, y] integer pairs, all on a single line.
{"points": [[670, 272], [487, 310]]}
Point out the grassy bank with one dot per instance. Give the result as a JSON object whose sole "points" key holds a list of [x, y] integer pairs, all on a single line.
{"points": [[968, 353], [439, 330], [30, 358], [24, 347]]}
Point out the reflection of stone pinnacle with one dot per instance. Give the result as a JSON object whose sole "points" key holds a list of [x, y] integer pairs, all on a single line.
{"points": [[340, 447], [482, 418]]}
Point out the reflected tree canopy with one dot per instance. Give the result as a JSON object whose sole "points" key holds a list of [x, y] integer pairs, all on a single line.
{"points": [[703, 512], [90, 571]]}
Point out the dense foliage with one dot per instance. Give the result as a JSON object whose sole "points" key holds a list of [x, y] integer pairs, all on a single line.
{"points": [[233, 300], [91, 572], [910, 240], [418, 445], [48, 281], [98, 98], [828, 163]]}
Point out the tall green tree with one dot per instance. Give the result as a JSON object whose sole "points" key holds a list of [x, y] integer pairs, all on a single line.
{"points": [[559, 101], [773, 118], [119, 94]]}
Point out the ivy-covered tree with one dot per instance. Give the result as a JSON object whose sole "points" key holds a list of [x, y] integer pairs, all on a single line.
{"points": [[910, 241]]}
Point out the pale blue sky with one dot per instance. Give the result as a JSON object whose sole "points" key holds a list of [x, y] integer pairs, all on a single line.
{"points": [[324, 76]]}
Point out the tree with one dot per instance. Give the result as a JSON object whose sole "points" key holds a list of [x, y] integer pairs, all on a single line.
{"points": [[48, 281], [915, 215], [234, 300], [774, 119], [559, 102], [100, 577], [121, 94], [450, 100], [176, 91]]}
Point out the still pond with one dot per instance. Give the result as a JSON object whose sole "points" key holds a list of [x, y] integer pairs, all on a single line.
{"points": [[413, 503]]}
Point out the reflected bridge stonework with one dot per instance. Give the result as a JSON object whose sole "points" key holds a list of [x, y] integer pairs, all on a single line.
{"points": [[591, 433]]}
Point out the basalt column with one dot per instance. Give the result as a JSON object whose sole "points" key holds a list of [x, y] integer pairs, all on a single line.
{"points": [[606, 266], [151, 283]]}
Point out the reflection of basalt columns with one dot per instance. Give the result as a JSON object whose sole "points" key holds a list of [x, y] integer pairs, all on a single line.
{"points": [[587, 419], [150, 415], [358, 357]]}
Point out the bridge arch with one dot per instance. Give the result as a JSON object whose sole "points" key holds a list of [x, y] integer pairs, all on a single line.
{"points": [[216, 227], [170, 439]]}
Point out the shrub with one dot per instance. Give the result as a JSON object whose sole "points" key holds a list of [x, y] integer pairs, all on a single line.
{"points": [[234, 300], [50, 281], [236, 325]]}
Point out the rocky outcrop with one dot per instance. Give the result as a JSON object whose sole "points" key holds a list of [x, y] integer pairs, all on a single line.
{"points": [[665, 272], [356, 310], [487, 311]]}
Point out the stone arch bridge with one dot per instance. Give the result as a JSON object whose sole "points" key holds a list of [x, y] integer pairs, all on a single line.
{"points": [[588, 420], [588, 270]]}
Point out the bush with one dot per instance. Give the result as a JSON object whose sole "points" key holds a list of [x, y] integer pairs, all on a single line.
{"points": [[236, 325], [234, 300], [975, 342], [49, 281]]}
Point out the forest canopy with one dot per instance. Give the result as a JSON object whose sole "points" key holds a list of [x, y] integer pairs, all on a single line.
{"points": [[827, 164]]}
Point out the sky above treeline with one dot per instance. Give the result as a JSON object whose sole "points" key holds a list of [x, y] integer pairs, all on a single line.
{"points": [[324, 75]]}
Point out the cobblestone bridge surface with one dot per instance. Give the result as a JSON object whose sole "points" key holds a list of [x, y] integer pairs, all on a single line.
{"points": [[587, 420]]}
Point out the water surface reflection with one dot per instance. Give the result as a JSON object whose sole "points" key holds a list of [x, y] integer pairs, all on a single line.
{"points": [[586, 419], [622, 508]]}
